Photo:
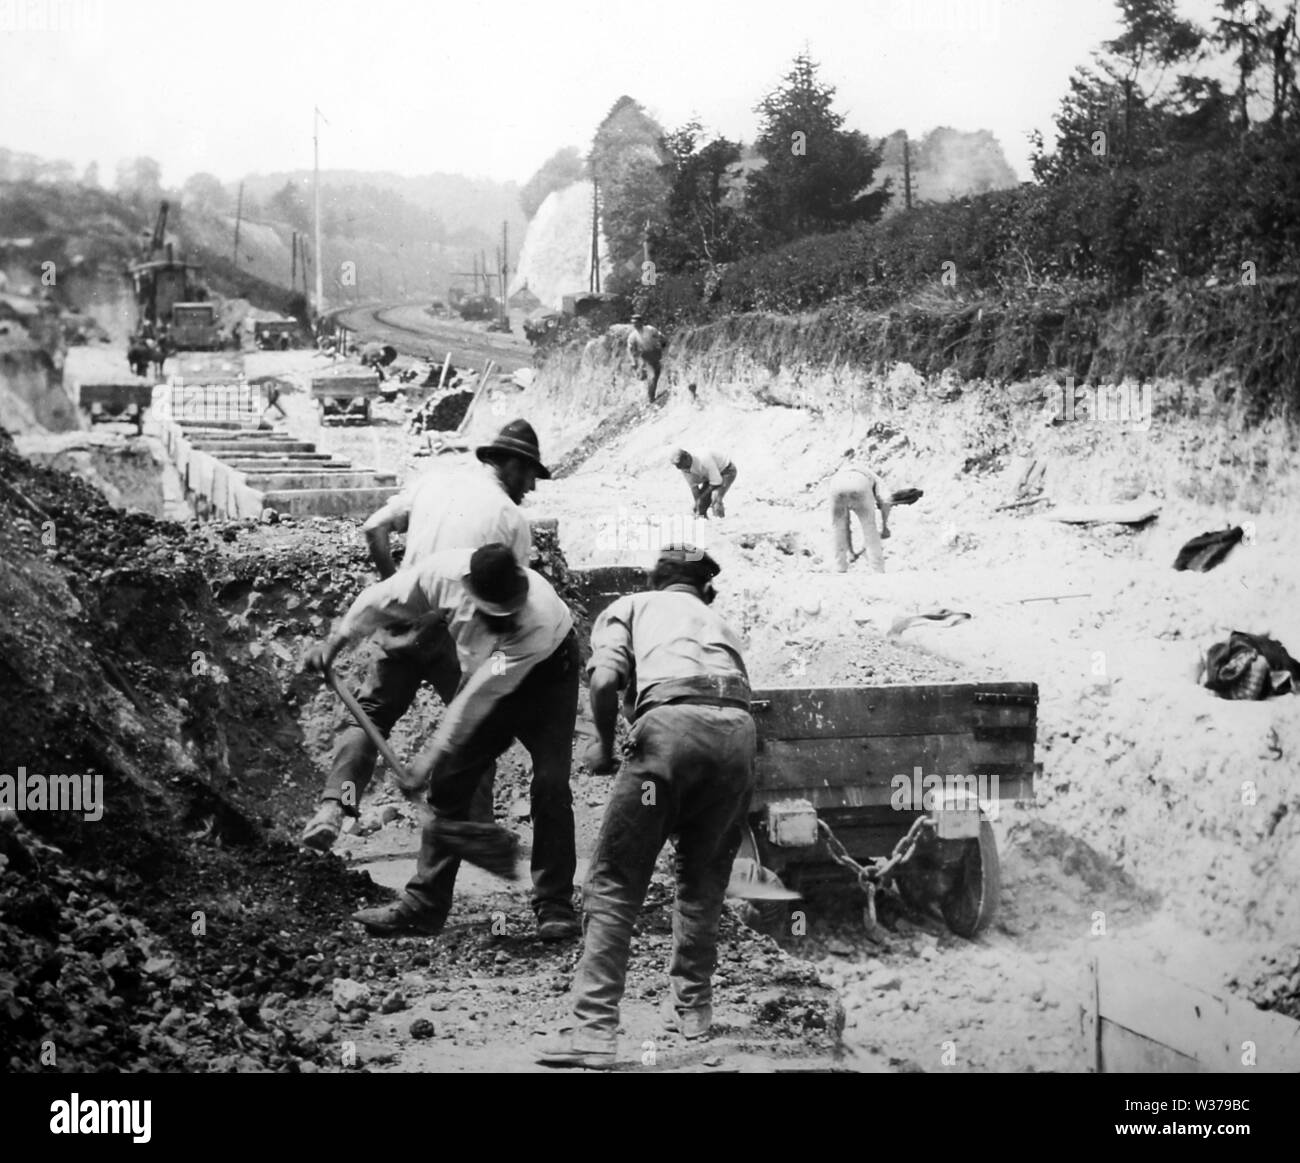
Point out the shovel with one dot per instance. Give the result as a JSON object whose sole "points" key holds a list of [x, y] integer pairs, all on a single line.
{"points": [[750, 881], [409, 786]]}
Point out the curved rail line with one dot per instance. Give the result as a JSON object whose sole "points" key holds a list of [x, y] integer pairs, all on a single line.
{"points": [[468, 348]]}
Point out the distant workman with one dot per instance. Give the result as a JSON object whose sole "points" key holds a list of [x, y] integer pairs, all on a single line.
{"points": [[272, 389], [688, 771], [854, 489], [442, 511], [645, 347], [709, 475], [520, 657], [378, 356]]}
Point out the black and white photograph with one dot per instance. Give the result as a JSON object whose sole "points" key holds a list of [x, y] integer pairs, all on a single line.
{"points": [[699, 538]]}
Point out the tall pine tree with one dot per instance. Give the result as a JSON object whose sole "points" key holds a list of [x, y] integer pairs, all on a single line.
{"points": [[818, 174]]}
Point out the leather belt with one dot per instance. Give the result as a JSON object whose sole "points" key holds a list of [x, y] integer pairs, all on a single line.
{"points": [[701, 690]]}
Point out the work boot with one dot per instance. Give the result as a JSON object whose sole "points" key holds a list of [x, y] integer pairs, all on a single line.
{"points": [[324, 827], [557, 922], [695, 1023], [489, 846], [399, 917], [578, 1048]]}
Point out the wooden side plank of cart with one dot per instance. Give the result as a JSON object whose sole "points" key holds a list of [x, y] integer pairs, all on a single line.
{"points": [[893, 785], [1140, 1021]]}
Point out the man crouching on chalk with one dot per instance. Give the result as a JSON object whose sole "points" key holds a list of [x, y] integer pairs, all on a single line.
{"points": [[519, 655]]}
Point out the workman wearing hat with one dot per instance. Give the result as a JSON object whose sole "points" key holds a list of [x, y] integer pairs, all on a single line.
{"points": [[645, 347], [710, 476], [441, 511], [688, 771], [519, 654]]}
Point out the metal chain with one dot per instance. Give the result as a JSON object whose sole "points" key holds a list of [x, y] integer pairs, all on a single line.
{"points": [[868, 876]]}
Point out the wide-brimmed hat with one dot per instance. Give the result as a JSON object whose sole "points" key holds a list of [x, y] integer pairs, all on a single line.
{"points": [[516, 439], [691, 559], [495, 581]]}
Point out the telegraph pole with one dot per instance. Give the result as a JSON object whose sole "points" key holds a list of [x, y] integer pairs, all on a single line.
{"points": [[907, 172], [594, 284], [505, 267], [239, 213], [315, 142]]}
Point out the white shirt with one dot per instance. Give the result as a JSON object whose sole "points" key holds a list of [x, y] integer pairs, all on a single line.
{"points": [[664, 634], [708, 467], [455, 510], [494, 663]]}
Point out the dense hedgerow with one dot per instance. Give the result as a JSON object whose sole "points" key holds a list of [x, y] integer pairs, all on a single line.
{"points": [[1120, 231]]}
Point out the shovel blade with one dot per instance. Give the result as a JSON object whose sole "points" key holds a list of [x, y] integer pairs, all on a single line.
{"points": [[750, 881]]}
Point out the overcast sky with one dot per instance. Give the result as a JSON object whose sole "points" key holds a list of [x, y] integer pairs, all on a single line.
{"points": [[492, 89]]}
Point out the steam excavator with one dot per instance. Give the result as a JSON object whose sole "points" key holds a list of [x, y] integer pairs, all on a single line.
{"points": [[173, 315], [173, 312]]}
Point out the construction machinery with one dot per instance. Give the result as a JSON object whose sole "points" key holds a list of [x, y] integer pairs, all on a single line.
{"points": [[278, 334], [541, 326], [173, 308], [599, 309], [173, 315]]}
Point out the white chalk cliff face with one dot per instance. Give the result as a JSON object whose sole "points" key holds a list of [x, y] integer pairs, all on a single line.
{"points": [[556, 256]]}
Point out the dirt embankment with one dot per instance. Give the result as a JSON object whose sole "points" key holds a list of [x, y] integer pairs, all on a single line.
{"points": [[132, 945], [32, 398]]}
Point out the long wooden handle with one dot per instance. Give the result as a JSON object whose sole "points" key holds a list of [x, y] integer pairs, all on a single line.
{"points": [[367, 725]]}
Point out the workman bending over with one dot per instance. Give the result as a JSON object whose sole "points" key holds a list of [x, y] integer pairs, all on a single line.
{"points": [[709, 476], [687, 771], [854, 489], [519, 654]]}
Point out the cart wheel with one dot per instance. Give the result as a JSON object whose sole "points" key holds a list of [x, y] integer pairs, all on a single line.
{"points": [[971, 905]]}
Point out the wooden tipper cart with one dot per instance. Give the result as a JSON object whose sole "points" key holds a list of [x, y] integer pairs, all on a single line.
{"points": [[119, 400], [345, 393], [894, 784]]}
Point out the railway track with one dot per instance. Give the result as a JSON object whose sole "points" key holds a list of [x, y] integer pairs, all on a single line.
{"points": [[412, 332]]}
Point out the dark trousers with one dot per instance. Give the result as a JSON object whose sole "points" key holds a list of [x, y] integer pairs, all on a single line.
{"points": [[540, 713], [404, 661], [651, 364], [689, 771]]}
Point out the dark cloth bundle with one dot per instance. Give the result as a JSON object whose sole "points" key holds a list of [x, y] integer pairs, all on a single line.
{"points": [[1203, 553], [906, 496], [1250, 666]]}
